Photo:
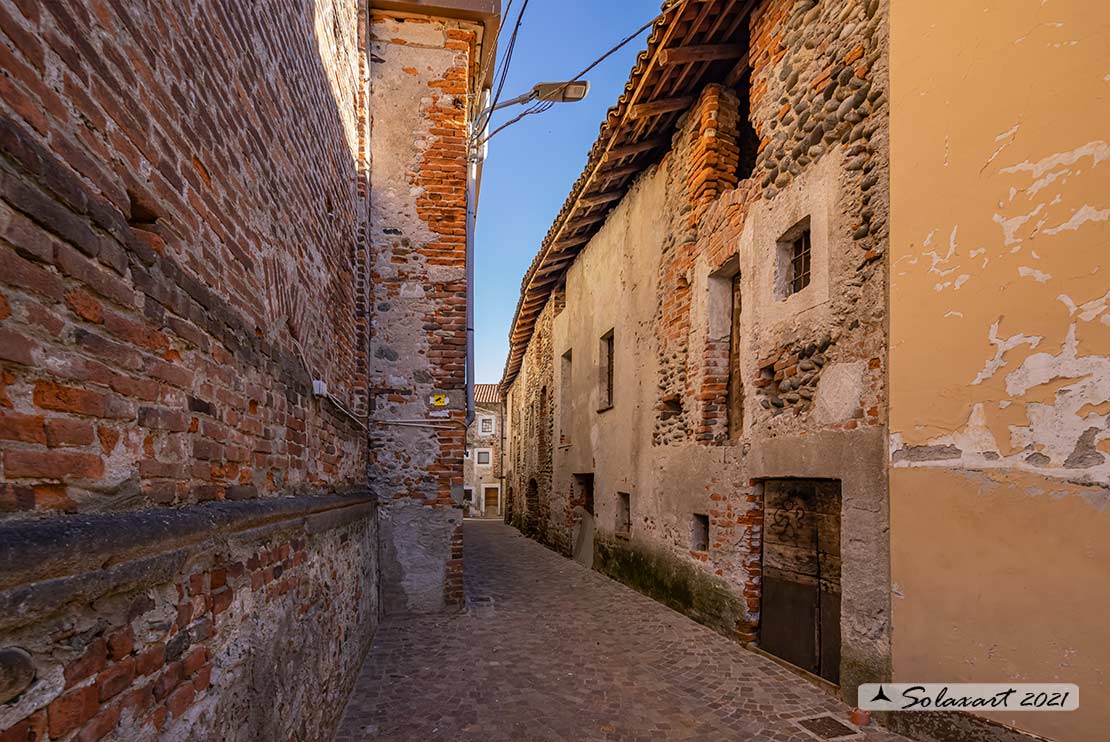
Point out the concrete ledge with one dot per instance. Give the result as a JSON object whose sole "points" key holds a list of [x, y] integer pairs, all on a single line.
{"points": [[46, 563]]}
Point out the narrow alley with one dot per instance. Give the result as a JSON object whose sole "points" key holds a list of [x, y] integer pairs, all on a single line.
{"points": [[550, 650]]}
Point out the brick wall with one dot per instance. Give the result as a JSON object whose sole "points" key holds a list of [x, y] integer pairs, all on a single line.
{"points": [[182, 199], [173, 280], [420, 76]]}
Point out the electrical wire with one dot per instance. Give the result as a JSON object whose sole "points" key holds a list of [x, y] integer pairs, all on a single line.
{"points": [[506, 62], [544, 105], [492, 55]]}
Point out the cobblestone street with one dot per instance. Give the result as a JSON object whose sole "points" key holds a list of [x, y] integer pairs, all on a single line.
{"points": [[549, 650]]}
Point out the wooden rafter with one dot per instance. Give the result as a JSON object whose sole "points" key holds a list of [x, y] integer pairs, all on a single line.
{"points": [[584, 221], [656, 107], [600, 198], [700, 53], [627, 150]]}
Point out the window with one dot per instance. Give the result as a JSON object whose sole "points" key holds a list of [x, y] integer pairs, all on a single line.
{"points": [[699, 532], [624, 513], [606, 359], [564, 399], [794, 257], [799, 262], [468, 494], [484, 456], [486, 425]]}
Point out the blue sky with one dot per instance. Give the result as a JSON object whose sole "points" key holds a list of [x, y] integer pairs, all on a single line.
{"points": [[533, 163]]}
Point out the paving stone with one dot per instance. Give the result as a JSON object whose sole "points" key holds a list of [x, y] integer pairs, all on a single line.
{"points": [[550, 650]]}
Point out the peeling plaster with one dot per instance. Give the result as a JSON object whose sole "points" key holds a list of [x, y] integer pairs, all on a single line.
{"points": [[1003, 345]]}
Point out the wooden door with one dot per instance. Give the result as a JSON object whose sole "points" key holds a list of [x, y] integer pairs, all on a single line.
{"points": [[491, 502], [800, 619]]}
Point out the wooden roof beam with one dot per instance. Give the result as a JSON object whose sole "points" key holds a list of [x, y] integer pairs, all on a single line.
{"points": [[618, 172], [737, 73], [700, 53], [656, 107], [584, 221], [601, 198], [563, 243], [618, 153]]}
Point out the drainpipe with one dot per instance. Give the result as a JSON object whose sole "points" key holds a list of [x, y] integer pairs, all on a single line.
{"points": [[476, 154], [471, 207]]}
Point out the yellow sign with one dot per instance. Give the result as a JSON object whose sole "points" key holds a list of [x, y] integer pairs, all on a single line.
{"points": [[439, 400]]}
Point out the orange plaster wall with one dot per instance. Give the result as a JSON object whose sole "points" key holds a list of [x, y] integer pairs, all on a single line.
{"points": [[1000, 347]]}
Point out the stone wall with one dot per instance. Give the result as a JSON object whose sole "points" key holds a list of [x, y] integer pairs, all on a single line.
{"points": [[182, 198], [420, 76], [531, 423], [803, 137], [234, 621]]}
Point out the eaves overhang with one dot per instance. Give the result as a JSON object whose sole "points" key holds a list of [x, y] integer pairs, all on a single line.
{"points": [[692, 43]]}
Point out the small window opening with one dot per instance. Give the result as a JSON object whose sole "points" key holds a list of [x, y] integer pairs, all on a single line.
{"points": [[699, 532], [484, 457], [565, 369], [794, 260], [624, 513], [607, 354]]}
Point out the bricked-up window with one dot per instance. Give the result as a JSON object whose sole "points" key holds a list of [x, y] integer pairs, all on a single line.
{"points": [[794, 258], [699, 532], [724, 326], [735, 383], [606, 355], [584, 491], [484, 456], [565, 368], [624, 513]]}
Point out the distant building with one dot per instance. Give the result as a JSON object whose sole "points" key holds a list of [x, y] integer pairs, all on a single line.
{"points": [[482, 467]]}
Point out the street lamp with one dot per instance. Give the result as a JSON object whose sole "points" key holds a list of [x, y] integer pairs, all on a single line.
{"points": [[570, 91], [554, 92]]}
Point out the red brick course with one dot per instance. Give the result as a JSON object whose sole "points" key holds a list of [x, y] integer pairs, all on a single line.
{"points": [[177, 241]]}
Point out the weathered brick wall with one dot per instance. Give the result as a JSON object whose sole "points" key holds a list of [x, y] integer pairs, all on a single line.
{"points": [[252, 626], [420, 77], [180, 214]]}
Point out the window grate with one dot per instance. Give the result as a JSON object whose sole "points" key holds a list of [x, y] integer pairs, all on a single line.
{"points": [[799, 262]]}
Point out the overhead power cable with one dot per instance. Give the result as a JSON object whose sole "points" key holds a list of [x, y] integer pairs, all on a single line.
{"points": [[543, 105], [492, 54], [506, 62]]}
